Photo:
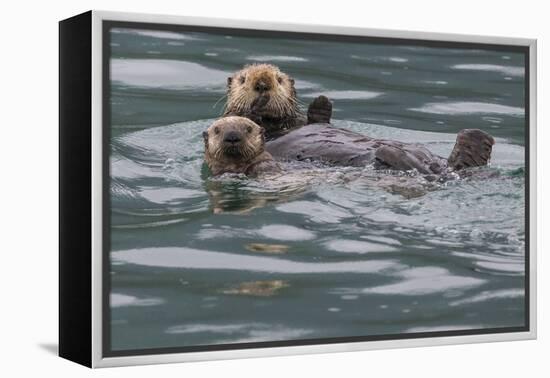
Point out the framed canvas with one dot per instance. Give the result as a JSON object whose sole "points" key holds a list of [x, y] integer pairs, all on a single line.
{"points": [[235, 188]]}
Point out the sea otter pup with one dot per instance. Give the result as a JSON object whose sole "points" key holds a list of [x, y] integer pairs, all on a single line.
{"points": [[237, 145], [264, 94]]}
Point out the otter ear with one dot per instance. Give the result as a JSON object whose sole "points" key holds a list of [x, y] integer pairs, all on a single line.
{"points": [[291, 81], [229, 80], [262, 130], [205, 135]]}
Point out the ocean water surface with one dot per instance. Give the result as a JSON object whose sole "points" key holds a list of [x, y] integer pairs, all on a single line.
{"points": [[315, 252]]}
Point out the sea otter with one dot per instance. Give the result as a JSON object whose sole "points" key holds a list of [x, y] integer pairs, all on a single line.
{"points": [[237, 145], [264, 94], [323, 142]]}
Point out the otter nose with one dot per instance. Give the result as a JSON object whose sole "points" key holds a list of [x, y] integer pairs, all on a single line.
{"points": [[232, 137], [261, 86]]}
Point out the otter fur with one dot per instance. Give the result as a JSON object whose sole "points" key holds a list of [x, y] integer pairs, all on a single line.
{"points": [[237, 145], [323, 142], [264, 94]]}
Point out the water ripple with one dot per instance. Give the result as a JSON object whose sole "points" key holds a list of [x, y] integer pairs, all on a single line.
{"points": [[465, 107], [188, 258], [426, 280], [507, 70]]}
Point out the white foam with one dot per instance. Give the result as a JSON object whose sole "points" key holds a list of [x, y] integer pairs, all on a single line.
{"points": [[426, 280], [382, 239], [242, 333], [437, 82], [122, 300], [129, 169], [169, 195], [446, 243], [397, 59], [489, 295], [355, 246], [188, 258], [276, 58], [161, 73], [505, 267], [346, 95], [284, 232], [443, 328], [507, 70], [148, 225], [212, 233], [274, 231], [349, 297], [304, 84], [155, 34], [208, 328], [469, 107], [492, 119]]}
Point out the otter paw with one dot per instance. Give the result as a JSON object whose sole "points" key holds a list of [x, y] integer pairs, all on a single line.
{"points": [[472, 149], [319, 111]]}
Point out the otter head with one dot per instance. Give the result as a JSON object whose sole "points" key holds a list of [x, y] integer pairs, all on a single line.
{"points": [[261, 89], [233, 140]]}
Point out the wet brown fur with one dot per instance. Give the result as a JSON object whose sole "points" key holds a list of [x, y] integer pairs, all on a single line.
{"points": [[264, 94], [247, 156]]}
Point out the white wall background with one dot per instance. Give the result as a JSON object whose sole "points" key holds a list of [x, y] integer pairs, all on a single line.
{"points": [[28, 189]]}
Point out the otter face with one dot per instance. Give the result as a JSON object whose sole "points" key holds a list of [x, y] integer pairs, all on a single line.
{"points": [[234, 138], [261, 89]]}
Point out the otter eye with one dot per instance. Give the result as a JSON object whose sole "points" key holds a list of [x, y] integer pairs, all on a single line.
{"points": [[242, 79], [249, 129], [279, 79], [217, 130]]}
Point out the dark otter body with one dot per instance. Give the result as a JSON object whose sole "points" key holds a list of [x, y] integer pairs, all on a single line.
{"points": [[320, 141]]}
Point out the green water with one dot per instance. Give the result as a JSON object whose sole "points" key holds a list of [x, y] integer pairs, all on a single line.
{"points": [[318, 251]]}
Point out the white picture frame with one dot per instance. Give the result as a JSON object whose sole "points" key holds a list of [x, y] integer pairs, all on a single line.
{"points": [[83, 274]]}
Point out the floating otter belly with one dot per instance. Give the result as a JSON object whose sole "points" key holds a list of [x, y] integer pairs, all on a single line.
{"points": [[267, 96], [323, 142]]}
